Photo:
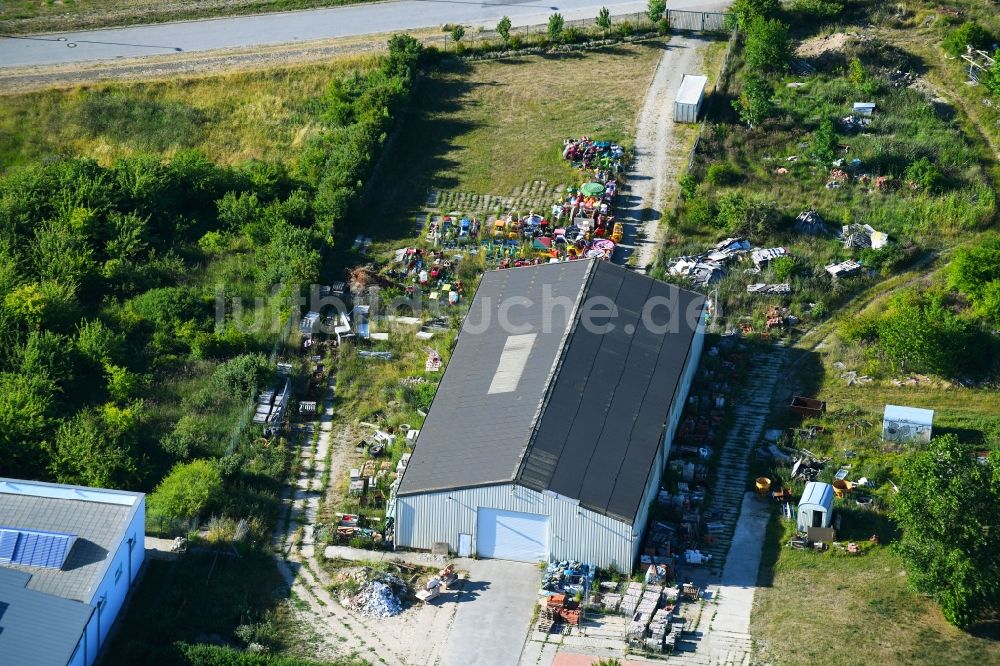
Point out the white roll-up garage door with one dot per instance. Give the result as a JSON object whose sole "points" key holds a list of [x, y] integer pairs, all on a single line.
{"points": [[511, 535]]}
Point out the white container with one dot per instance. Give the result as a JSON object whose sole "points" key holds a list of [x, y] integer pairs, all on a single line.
{"points": [[690, 95]]}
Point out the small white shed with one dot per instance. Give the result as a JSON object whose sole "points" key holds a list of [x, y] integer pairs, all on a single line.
{"points": [[689, 98], [907, 424], [816, 506]]}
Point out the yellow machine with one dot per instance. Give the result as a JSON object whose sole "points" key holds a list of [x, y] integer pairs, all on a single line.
{"points": [[499, 229], [617, 232]]}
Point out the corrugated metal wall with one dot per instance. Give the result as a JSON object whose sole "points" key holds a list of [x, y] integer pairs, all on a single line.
{"points": [[575, 533], [686, 113]]}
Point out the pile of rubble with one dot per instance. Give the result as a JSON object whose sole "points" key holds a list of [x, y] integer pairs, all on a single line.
{"points": [[378, 597]]}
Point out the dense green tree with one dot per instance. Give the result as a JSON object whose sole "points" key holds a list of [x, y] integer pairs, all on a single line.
{"points": [[63, 254], [50, 355], [187, 491], [754, 102], [768, 47], [242, 375], [918, 332], [924, 176], [824, 143], [948, 509], [975, 272], [457, 33], [25, 415], [98, 447], [968, 34], [555, 27], [503, 29], [604, 20], [747, 10], [740, 214], [655, 9]]}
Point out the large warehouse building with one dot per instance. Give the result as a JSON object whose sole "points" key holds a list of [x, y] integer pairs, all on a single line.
{"points": [[550, 430], [68, 557]]}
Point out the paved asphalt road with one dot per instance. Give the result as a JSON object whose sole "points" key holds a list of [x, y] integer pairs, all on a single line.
{"points": [[286, 27]]}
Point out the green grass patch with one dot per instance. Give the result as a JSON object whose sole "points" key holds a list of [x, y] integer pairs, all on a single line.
{"points": [[810, 606]]}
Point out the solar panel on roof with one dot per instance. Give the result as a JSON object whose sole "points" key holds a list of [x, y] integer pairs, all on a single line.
{"points": [[8, 540], [35, 548]]}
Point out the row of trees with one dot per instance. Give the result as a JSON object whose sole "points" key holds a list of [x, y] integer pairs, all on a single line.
{"points": [[556, 29]]}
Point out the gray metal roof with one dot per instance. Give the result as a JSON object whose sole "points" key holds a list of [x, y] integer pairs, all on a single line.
{"points": [[473, 437], [98, 526], [589, 412], [37, 628]]}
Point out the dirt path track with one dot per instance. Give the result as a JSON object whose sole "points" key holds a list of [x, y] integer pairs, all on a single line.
{"points": [[660, 151]]}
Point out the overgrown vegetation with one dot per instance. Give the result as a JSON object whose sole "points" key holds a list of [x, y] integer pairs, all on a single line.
{"points": [[127, 354], [782, 147]]}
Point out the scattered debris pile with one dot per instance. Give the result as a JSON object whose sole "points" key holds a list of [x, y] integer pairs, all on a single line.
{"points": [[863, 236], [809, 222], [762, 288], [761, 257], [704, 269], [569, 577], [379, 597], [844, 269]]}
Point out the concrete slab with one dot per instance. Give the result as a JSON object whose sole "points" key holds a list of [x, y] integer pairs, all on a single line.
{"points": [[493, 614]]}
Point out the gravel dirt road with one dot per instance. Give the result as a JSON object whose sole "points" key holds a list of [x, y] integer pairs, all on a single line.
{"points": [[660, 151]]}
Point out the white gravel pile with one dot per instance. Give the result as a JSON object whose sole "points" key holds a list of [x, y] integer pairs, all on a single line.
{"points": [[376, 599]]}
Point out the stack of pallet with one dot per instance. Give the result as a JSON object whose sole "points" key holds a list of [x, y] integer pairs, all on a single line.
{"points": [[566, 612], [650, 601], [633, 594], [611, 601], [546, 620], [659, 626]]}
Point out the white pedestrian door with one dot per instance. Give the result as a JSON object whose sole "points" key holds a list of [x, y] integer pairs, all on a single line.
{"points": [[512, 535], [464, 545]]}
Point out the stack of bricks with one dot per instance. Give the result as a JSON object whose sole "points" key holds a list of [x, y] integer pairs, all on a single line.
{"points": [[546, 620], [633, 594], [611, 601]]}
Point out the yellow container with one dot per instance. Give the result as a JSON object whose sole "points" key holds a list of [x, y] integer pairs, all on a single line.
{"points": [[841, 487], [763, 485]]}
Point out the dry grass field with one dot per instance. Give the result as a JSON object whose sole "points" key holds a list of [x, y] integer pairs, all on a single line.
{"points": [[261, 114]]}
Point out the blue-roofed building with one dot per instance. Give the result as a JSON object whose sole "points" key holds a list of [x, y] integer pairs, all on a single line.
{"points": [[68, 557]]}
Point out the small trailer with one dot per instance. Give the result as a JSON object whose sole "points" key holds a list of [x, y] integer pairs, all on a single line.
{"points": [[690, 95]]}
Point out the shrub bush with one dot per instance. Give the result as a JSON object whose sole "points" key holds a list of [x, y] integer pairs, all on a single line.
{"points": [[969, 33], [721, 173]]}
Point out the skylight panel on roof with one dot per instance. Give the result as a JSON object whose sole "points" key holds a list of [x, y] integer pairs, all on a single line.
{"points": [[513, 361]]}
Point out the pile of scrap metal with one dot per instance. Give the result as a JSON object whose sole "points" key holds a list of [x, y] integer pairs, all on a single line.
{"points": [[807, 467], [568, 577], [809, 222], [705, 269], [763, 288], [863, 236]]}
